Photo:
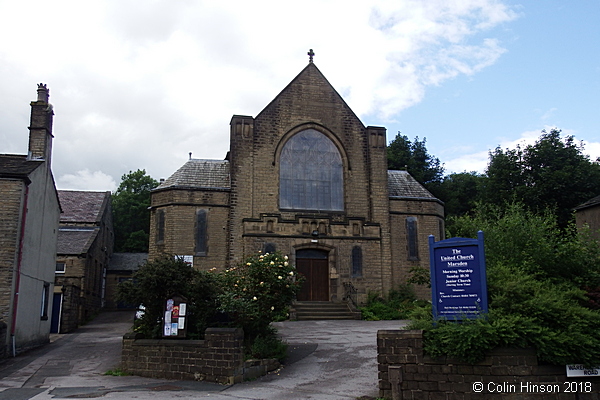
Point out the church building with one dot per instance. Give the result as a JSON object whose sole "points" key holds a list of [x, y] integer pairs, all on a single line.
{"points": [[306, 178]]}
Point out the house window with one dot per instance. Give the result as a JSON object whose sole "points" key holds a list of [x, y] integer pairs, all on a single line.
{"points": [[160, 226], [60, 268], [45, 299], [357, 262], [311, 173], [412, 240], [201, 233]]}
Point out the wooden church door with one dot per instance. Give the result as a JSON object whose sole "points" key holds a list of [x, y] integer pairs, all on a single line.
{"points": [[314, 265]]}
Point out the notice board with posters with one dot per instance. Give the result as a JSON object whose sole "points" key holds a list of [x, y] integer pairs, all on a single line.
{"points": [[458, 278], [175, 315]]}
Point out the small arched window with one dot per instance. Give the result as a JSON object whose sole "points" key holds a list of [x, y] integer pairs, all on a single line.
{"points": [[311, 173]]}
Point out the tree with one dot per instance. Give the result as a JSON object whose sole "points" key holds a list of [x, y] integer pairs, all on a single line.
{"points": [[460, 192], [131, 217], [402, 154], [551, 174]]}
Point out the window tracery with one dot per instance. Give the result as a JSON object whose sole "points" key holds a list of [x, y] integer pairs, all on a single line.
{"points": [[311, 173]]}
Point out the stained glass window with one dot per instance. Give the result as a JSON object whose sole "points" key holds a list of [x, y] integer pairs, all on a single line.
{"points": [[311, 173]]}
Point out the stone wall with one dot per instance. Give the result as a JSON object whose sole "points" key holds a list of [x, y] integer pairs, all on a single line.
{"points": [[406, 373], [11, 193], [219, 358]]}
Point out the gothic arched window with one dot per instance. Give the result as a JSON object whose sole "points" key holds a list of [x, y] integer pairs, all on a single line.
{"points": [[311, 173]]}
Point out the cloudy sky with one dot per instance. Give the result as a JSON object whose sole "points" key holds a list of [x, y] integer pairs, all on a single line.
{"points": [[138, 84]]}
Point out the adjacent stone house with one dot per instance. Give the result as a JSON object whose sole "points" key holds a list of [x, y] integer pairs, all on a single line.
{"points": [[85, 245], [307, 178], [121, 268], [29, 214], [588, 215]]}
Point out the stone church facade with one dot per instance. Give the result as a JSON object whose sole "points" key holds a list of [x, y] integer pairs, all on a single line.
{"points": [[304, 177]]}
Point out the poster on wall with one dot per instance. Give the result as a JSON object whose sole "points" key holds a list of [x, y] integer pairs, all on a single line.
{"points": [[189, 260], [458, 278], [174, 325]]}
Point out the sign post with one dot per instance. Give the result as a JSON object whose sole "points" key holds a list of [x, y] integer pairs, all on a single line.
{"points": [[458, 278]]}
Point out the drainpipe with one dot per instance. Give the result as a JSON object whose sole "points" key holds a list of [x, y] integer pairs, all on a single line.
{"points": [[18, 278]]}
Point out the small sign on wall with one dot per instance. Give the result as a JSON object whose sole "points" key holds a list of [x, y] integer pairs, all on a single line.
{"points": [[580, 371], [174, 321], [189, 260]]}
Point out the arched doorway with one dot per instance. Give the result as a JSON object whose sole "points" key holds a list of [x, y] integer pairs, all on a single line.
{"points": [[314, 265]]}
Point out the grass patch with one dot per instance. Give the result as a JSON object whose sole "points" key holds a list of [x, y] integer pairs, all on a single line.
{"points": [[116, 372]]}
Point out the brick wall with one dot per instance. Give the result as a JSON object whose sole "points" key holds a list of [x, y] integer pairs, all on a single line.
{"points": [[219, 358], [406, 373]]}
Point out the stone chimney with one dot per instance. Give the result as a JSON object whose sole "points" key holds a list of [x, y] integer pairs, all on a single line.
{"points": [[40, 126]]}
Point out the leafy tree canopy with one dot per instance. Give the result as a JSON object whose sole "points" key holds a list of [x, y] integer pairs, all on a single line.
{"points": [[460, 192], [131, 218], [551, 174], [402, 154]]}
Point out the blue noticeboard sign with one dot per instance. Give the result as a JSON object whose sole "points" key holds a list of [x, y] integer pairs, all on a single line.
{"points": [[458, 278]]}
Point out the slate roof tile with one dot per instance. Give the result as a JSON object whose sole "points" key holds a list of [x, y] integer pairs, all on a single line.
{"points": [[14, 165], [590, 203], [75, 241], [127, 261], [82, 206], [200, 174], [402, 184]]}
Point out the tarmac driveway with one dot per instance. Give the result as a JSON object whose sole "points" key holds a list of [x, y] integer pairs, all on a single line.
{"points": [[329, 360]]}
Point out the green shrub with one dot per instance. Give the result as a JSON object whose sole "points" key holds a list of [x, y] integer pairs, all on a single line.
{"points": [[537, 277], [157, 281], [250, 296], [397, 305], [268, 345], [258, 292]]}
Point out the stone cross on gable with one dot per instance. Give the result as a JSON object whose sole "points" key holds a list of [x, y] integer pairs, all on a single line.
{"points": [[311, 54]]}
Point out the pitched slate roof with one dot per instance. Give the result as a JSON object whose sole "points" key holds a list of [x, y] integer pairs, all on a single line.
{"points": [[80, 206], [17, 166], [208, 174], [127, 261], [590, 203], [75, 241], [402, 185], [215, 174]]}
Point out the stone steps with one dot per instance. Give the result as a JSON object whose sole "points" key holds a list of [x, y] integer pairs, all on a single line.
{"points": [[323, 310]]}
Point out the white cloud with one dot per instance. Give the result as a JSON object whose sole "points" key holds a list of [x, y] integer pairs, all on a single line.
{"points": [[468, 163], [478, 161], [86, 180], [140, 87], [592, 149]]}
